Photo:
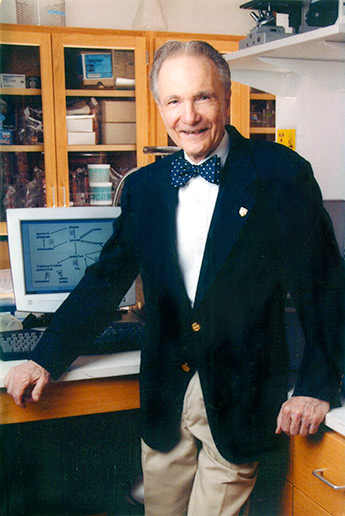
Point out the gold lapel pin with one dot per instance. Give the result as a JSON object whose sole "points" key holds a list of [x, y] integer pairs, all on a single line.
{"points": [[243, 211]]}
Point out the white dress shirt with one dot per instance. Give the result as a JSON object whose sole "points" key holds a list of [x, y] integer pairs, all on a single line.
{"points": [[196, 202]]}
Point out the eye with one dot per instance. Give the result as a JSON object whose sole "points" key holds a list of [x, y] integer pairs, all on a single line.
{"points": [[172, 102], [203, 97]]}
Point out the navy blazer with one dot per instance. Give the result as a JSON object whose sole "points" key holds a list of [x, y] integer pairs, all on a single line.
{"points": [[269, 235]]}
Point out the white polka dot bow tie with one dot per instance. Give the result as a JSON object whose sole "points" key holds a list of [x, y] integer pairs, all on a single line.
{"points": [[182, 171]]}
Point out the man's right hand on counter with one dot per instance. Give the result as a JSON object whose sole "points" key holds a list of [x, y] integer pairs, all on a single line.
{"points": [[26, 382]]}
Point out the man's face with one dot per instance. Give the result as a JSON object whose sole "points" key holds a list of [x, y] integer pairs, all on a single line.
{"points": [[193, 104]]}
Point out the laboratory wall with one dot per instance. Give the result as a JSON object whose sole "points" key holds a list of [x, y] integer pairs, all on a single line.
{"points": [[200, 16]]}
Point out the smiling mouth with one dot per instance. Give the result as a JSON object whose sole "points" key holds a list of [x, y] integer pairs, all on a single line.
{"points": [[200, 131]]}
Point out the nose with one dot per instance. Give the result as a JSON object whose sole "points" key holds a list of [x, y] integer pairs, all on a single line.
{"points": [[190, 114]]}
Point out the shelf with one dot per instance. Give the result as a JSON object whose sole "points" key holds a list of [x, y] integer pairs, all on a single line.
{"points": [[100, 93], [276, 67], [21, 148], [28, 92], [103, 148], [3, 230], [262, 96], [262, 130]]}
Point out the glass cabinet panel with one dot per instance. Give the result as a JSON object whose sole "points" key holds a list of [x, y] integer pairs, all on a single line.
{"points": [[101, 115], [262, 115], [27, 145]]}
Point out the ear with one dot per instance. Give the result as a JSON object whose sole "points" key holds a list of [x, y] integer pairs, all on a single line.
{"points": [[227, 106], [228, 100], [160, 109]]}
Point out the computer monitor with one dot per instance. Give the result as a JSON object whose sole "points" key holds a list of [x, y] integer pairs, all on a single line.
{"points": [[97, 68], [50, 249]]}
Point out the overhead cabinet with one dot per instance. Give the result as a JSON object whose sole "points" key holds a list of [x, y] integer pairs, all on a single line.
{"points": [[83, 99], [27, 129], [77, 97]]}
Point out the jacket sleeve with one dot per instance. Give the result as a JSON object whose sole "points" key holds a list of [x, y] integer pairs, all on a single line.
{"points": [[93, 302], [316, 282]]}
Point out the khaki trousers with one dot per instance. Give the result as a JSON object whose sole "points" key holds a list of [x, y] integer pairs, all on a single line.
{"points": [[190, 480]]}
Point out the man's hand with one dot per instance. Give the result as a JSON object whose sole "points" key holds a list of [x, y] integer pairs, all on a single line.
{"points": [[301, 415], [26, 382]]}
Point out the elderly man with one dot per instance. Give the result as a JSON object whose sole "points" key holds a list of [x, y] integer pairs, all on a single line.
{"points": [[220, 233]]}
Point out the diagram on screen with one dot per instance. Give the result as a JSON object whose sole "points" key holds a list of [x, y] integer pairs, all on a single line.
{"points": [[61, 251]]}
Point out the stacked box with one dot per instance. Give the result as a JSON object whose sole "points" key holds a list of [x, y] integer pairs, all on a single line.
{"points": [[118, 122], [80, 138], [12, 80], [80, 130]]}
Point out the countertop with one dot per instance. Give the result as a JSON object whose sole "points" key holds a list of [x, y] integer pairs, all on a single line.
{"points": [[128, 363], [90, 366]]}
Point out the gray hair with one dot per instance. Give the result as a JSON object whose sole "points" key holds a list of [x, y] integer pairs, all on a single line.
{"points": [[190, 48]]}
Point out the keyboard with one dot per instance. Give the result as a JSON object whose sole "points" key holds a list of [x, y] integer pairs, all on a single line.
{"points": [[18, 344], [117, 337]]}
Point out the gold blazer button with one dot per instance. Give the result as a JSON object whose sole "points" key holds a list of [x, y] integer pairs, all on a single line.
{"points": [[185, 367], [196, 326]]}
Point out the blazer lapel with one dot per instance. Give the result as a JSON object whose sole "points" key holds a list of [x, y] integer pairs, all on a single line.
{"points": [[232, 212], [165, 212]]}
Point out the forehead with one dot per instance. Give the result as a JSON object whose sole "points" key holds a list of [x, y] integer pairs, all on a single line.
{"points": [[184, 74]]}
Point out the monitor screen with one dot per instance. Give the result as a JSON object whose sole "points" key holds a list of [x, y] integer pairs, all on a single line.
{"points": [[50, 248], [97, 65]]}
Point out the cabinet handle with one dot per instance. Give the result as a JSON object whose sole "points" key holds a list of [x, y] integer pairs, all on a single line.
{"points": [[64, 196], [53, 190], [318, 473]]}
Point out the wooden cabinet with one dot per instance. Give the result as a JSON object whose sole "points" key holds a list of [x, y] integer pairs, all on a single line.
{"points": [[51, 56], [262, 115], [119, 108], [28, 161], [315, 481], [319, 474], [304, 506]]}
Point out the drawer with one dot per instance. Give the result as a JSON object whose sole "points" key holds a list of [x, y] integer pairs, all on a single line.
{"points": [[303, 506], [324, 455]]}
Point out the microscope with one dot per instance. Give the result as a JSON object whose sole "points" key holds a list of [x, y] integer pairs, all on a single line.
{"points": [[303, 16], [266, 28]]}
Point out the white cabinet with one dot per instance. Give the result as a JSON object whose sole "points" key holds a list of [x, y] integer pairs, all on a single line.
{"points": [[306, 72]]}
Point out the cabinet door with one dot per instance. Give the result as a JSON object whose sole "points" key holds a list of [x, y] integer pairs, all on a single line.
{"points": [[100, 83], [304, 506], [28, 164], [239, 109], [326, 457]]}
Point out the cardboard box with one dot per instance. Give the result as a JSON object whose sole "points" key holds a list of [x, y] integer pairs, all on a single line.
{"points": [[121, 133], [81, 138], [123, 64], [80, 123], [12, 80], [118, 110]]}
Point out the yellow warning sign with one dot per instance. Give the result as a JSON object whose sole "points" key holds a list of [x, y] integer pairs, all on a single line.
{"points": [[287, 137]]}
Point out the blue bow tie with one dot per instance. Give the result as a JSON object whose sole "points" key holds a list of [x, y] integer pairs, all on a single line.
{"points": [[182, 171]]}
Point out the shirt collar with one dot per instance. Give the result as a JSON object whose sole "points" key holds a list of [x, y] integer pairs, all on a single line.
{"points": [[221, 151]]}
